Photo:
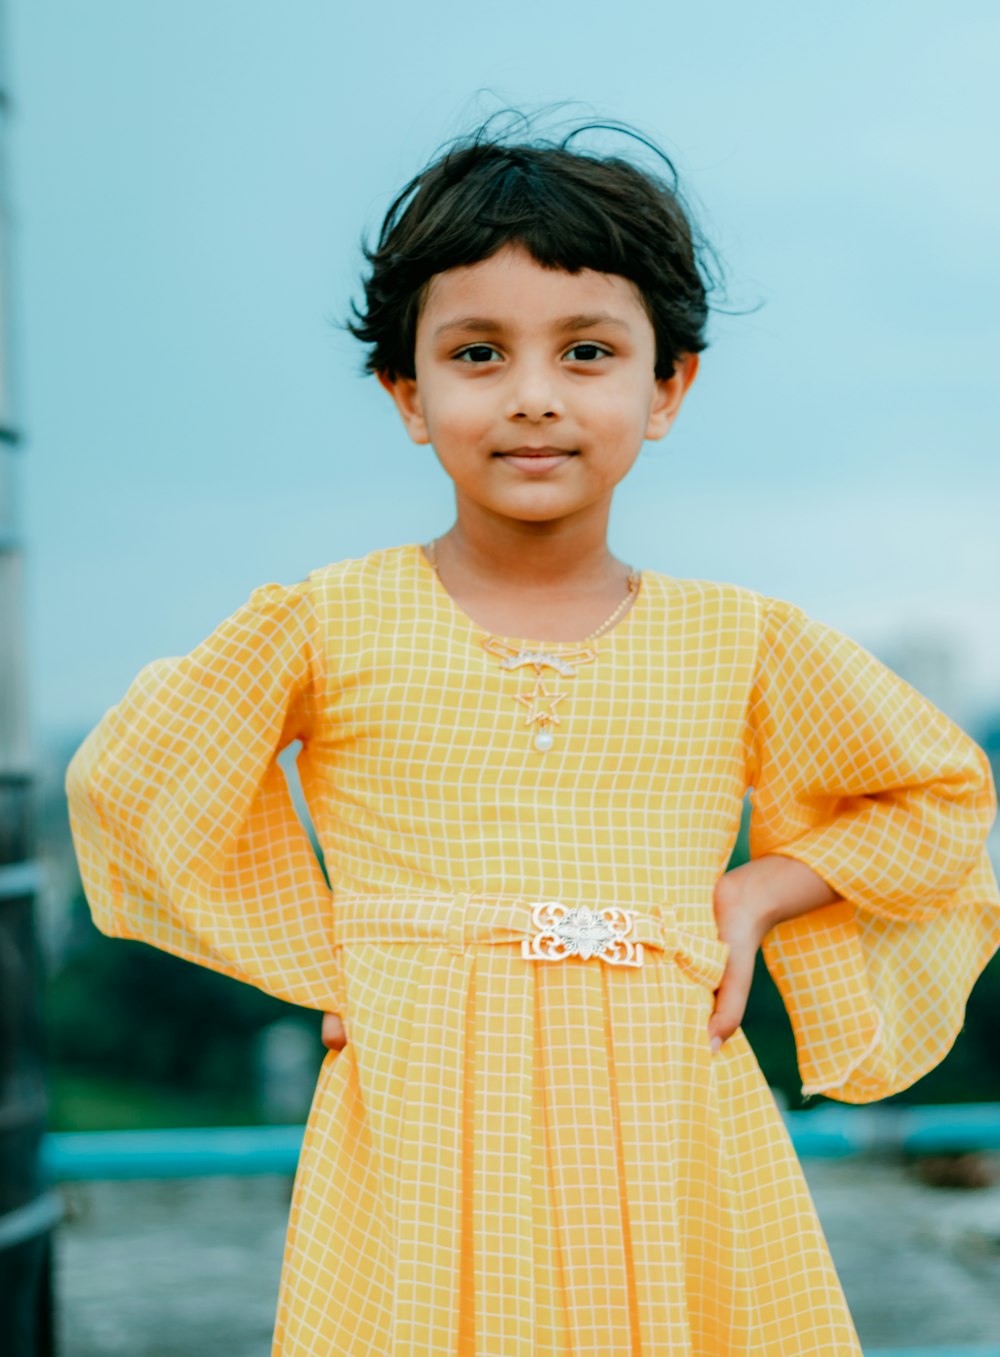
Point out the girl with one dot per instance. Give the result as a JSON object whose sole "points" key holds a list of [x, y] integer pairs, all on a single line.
{"points": [[540, 1128]]}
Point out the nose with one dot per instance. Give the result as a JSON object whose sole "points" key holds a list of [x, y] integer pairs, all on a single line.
{"points": [[532, 395]]}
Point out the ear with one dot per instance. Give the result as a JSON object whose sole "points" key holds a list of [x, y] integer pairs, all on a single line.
{"points": [[669, 395], [403, 391]]}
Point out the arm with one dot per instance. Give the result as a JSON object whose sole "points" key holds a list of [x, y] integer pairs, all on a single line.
{"points": [[182, 820], [870, 890], [749, 901]]}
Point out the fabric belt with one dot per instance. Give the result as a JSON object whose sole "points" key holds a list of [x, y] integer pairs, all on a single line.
{"points": [[545, 931]]}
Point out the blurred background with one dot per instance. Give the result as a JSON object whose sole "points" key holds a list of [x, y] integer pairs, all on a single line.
{"points": [[184, 192]]}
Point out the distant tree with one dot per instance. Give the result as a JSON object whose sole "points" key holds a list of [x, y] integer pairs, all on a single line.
{"points": [[125, 1009]]}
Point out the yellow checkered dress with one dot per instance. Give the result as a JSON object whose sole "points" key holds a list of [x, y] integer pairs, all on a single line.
{"points": [[524, 1149]]}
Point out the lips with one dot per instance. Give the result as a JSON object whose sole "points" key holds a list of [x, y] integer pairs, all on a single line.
{"points": [[536, 460], [529, 451]]}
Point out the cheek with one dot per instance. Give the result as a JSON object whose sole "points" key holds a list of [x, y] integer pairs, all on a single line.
{"points": [[470, 401], [620, 394], [618, 424], [462, 414]]}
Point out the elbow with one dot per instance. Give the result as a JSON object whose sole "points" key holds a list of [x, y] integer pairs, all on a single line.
{"points": [[78, 781], [82, 785], [988, 789], [970, 785], [973, 804], [976, 786]]}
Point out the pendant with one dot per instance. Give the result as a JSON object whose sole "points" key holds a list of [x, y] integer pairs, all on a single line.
{"points": [[541, 712], [512, 658], [544, 739], [540, 702]]}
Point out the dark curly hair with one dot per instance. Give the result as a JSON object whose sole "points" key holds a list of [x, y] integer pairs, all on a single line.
{"points": [[571, 210]]}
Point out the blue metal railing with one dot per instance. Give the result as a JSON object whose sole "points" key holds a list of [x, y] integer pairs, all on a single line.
{"points": [[933, 1352], [825, 1133], [202, 1152]]}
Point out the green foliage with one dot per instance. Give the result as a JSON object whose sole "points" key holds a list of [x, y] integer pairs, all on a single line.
{"points": [[741, 848], [123, 1009], [89, 1102]]}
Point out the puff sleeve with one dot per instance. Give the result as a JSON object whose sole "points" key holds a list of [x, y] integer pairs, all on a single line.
{"points": [[183, 824], [859, 776]]}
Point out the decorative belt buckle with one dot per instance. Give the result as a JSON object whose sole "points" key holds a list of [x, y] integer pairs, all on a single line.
{"points": [[562, 931]]}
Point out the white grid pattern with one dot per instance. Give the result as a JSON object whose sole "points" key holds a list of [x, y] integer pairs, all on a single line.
{"points": [[512, 1158]]}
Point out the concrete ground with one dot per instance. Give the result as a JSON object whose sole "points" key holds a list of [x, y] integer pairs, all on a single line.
{"points": [[188, 1267]]}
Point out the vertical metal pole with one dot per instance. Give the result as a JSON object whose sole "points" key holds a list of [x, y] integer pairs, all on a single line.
{"points": [[29, 1209]]}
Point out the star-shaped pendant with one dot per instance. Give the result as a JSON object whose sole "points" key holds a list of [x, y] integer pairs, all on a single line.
{"points": [[535, 701]]}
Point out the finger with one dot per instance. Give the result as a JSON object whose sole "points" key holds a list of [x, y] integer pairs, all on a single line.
{"points": [[333, 1035], [731, 999]]}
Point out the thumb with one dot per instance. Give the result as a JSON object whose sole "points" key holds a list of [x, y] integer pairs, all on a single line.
{"points": [[731, 997]]}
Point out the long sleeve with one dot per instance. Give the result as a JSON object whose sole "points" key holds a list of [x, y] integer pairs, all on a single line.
{"points": [[859, 776], [183, 824]]}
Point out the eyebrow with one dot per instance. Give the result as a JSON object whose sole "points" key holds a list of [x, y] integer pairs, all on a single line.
{"points": [[485, 325]]}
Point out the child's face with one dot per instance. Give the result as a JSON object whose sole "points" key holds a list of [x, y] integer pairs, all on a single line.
{"points": [[512, 355]]}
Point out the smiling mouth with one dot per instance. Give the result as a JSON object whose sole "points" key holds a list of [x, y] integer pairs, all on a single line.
{"points": [[536, 460], [537, 452]]}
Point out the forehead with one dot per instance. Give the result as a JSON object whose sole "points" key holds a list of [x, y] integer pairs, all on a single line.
{"points": [[513, 289]]}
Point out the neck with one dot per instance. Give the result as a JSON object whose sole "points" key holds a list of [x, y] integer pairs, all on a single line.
{"points": [[546, 557]]}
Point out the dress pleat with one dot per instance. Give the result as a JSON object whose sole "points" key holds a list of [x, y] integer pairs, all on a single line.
{"points": [[585, 1177], [500, 1150], [645, 1046], [338, 1296], [432, 1142], [786, 1291]]}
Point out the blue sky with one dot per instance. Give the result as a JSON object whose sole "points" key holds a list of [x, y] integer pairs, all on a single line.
{"points": [[189, 186]]}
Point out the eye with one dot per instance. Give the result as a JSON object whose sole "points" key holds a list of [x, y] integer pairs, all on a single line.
{"points": [[477, 349], [596, 351]]}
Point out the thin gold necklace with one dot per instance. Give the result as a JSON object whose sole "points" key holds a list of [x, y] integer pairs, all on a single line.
{"points": [[540, 702]]}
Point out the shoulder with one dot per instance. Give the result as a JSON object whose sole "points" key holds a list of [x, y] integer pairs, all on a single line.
{"points": [[720, 600], [375, 570], [360, 599], [304, 608], [766, 613], [761, 629]]}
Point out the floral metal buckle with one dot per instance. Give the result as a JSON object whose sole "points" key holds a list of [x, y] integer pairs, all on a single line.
{"points": [[562, 931]]}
